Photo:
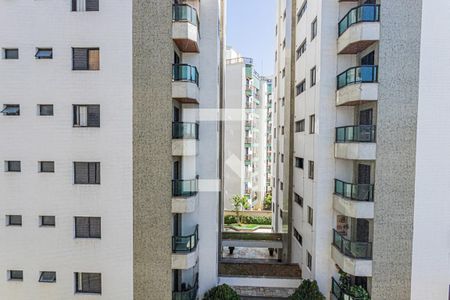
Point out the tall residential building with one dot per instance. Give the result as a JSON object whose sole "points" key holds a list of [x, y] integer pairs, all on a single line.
{"points": [[360, 94], [246, 97], [109, 174]]}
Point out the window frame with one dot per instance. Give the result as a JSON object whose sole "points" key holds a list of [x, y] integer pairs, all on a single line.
{"points": [[40, 106], [88, 50], [298, 199], [6, 106], [43, 273], [311, 169], [309, 261], [90, 235], [298, 236], [310, 216], [42, 163], [314, 28], [8, 166], [302, 10], [10, 222], [301, 49], [45, 224], [312, 124], [38, 50], [77, 116], [313, 76], [15, 278], [97, 179], [7, 50], [78, 276], [300, 88], [299, 162]]}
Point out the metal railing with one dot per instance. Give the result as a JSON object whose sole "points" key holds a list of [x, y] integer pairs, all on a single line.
{"points": [[187, 293], [185, 130], [358, 250], [184, 72], [358, 192], [356, 134], [359, 74], [363, 13], [339, 292], [188, 243], [184, 188], [186, 13]]}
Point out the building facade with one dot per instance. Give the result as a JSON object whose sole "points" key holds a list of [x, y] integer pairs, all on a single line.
{"points": [[355, 91], [98, 199]]}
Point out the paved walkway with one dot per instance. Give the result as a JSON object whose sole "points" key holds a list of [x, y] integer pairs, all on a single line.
{"points": [[248, 253]]}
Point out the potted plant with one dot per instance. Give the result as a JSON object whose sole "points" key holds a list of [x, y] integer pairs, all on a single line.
{"points": [[239, 203]]}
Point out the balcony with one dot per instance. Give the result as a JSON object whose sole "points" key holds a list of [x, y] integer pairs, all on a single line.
{"points": [[184, 138], [339, 292], [359, 29], [357, 85], [353, 200], [189, 292], [185, 27], [185, 83], [184, 196], [184, 251], [352, 257], [355, 142]]}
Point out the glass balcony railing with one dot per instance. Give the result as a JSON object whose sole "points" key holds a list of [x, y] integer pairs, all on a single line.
{"points": [[183, 130], [339, 293], [184, 188], [358, 250], [358, 192], [185, 13], [356, 134], [360, 74], [363, 13], [188, 292], [184, 72], [188, 243]]}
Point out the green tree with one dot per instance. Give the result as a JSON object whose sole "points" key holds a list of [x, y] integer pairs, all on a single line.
{"points": [[221, 292], [240, 203], [308, 290], [268, 202]]}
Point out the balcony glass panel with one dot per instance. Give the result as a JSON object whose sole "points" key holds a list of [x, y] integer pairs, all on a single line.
{"points": [[357, 75], [183, 72], [356, 134], [188, 292], [339, 292], [358, 192], [182, 244], [358, 250], [363, 13], [184, 188], [183, 130], [184, 12]]}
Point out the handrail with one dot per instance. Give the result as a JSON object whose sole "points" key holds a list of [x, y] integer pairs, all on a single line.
{"points": [[187, 243], [356, 134], [184, 188], [358, 250], [358, 74], [185, 130], [185, 12], [185, 72], [358, 192], [362, 13]]}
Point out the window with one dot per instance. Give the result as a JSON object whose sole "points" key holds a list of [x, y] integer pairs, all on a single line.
{"points": [[299, 162], [85, 5], [284, 15], [281, 186], [14, 220], [301, 11], [11, 53], [15, 275], [11, 110], [298, 237], [86, 115], [281, 213], [284, 43], [88, 227], [282, 157], [44, 53], [47, 221], [298, 199], [312, 124], [301, 87], [47, 166], [282, 130], [310, 215], [313, 29], [313, 76], [301, 49], [12, 166], [47, 276], [283, 73], [87, 172], [282, 101], [45, 109], [88, 283], [85, 59], [311, 170], [309, 262], [300, 126]]}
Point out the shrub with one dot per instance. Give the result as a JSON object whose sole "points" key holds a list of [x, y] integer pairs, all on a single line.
{"points": [[259, 220], [308, 290], [268, 202], [221, 292]]}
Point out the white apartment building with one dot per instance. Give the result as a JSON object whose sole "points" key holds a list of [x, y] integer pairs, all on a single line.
{"points": [[246, 98], [97, 200], [358, 93]]}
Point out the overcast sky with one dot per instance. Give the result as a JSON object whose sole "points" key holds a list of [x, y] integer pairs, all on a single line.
{"points": [[251, 31]]}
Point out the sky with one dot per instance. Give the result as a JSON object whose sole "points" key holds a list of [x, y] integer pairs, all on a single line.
{"points": [[251, 31]]}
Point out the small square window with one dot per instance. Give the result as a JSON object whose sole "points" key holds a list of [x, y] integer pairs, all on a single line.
{"points": [[298, 199], [15, 275], [11, 110], [47, 276], [313, 76], [310, 215], [300, 126], [11, 53], [45, 109], [12, 166], [14, 220], [47, 221], [298, 237], [299, 162], [47, 166], [301, 87], [44, 53], [311, 169]]}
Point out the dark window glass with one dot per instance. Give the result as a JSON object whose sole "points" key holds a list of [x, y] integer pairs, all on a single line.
{"points": [[44, 53], [313, 76], [301, 11], [298, 237], [311, 170], [48, 221], [11, 110], [299, 162], [300, 126], [47, 166], [310, 216], [14, 220], [309, 261], [13, 166], [85, 59], [301, 87], [312, 124], [47, 276], [15, 274], [88, 227], [11, 53], [87, 172], [85, 5], [313, 29], [46, 110], [298, 199], [301, 49], [88, 283], [86, 115]]}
